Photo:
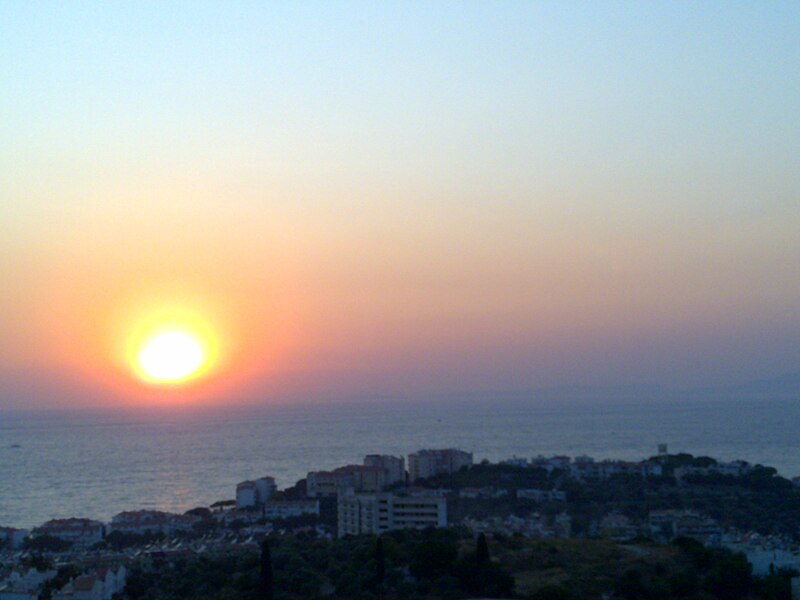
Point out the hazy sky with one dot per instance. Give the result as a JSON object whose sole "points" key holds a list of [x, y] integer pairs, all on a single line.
{"points": [[400, 199]]}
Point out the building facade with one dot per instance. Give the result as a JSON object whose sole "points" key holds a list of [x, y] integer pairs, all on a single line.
{"points": [[360, 478], [394, 467], [377, 513], [250, 494], [246, 494], [427, 463]]}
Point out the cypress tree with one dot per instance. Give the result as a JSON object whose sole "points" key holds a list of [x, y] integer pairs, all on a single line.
{"points": [[265, 591], [380, 561]]}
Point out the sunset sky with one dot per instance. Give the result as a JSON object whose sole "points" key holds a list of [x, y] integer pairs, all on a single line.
{"points": [[397, 200]]}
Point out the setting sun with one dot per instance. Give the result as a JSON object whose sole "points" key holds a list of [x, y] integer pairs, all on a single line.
{"points": [[172, 356], [172, 347]]}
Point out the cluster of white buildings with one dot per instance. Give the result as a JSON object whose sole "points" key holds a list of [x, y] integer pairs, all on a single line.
{"points": [[255, 501], [677, 523], [141, 522], [101, 584], [81, 533], [364, 503], [533, 525], [24, 584], [380, 471], [660, 524], [586, 467], [85, 533], [735, 468], [765, 553]]}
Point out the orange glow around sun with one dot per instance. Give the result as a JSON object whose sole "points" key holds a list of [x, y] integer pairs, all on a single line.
{"points": [[164, 342], [172, 349]]}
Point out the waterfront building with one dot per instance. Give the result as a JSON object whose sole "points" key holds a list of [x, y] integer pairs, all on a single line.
{"points": [[427, 463], [255, 493], [246, 494]]}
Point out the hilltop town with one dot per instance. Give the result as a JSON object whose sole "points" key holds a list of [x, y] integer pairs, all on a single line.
{"points": [[652, 504]]}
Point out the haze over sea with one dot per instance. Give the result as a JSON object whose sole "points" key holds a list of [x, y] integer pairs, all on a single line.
{"points": [[95, 464]]}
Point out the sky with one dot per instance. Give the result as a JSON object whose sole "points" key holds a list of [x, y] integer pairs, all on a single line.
{"points": [[398, 199]]}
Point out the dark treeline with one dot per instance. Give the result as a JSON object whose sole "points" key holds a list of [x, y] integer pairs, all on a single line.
{"points": [[451, 564]]}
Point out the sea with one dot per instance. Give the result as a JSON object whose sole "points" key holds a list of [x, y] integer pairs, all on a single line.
{"points": [[97, 463]]}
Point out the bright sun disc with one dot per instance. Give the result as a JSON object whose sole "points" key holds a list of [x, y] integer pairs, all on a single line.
{"points": [[171, 356]]}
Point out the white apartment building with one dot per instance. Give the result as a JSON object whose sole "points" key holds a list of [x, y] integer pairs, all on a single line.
{"points": [[394, 467], [266, 488], [427, 463], [255, 493], [246, 494], [376, 513]]}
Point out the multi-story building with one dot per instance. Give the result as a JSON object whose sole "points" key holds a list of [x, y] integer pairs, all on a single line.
{"points": [[427, 463], [12, 537], [246, 494], [266, 488], [376, 513], [82, 533], [394, 467], [361, 478], [250, 494], [326, 484]]}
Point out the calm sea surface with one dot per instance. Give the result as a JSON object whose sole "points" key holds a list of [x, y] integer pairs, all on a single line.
{"points": [[97, 464]]}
